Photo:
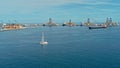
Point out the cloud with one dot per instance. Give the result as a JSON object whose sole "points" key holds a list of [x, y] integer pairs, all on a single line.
{"points": [[37, 4], [34, 3], [34, 9], [101, 3]]}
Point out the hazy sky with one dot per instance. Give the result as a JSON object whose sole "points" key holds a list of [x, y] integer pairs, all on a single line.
{"points": [[38, 11]]}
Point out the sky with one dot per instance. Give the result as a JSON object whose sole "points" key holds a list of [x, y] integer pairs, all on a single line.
{"points": [[39, 11]]}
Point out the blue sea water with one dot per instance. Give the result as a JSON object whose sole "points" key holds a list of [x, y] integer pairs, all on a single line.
{"points": [[69, 47]]}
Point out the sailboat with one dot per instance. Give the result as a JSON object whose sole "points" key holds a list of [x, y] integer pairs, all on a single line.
{"points": [[42, 42]]}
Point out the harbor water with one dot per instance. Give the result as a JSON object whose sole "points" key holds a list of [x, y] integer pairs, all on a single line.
{"points": [[68, 47]]}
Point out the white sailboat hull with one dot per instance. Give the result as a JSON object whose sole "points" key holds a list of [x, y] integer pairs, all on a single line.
{"points": [[43, 43]]}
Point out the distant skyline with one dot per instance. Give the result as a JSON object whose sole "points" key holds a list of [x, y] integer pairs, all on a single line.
{"points": [[39, 11]]}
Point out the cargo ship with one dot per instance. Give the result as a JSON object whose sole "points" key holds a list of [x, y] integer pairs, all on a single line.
{"points": [[97, 27]]}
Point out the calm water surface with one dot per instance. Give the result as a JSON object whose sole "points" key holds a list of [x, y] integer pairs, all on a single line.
{"points": [[69, 47]]}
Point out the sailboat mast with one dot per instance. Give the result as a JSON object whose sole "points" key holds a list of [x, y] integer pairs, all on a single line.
{"points": [[42, 40], [42, 36]]}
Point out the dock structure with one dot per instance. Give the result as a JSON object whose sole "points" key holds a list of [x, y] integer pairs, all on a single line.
{"points": [[70, 23], [50, 23], [88, 23], [11, 26], [109, 22]]}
